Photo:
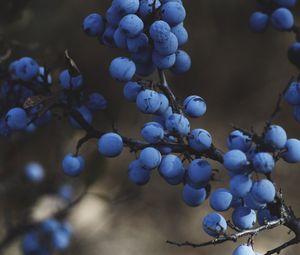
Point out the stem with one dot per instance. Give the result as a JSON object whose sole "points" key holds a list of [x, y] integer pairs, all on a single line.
{"points": [[283, 246], [166, 89]]}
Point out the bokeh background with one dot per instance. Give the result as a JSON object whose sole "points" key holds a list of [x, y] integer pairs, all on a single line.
{"points": [[238, 73]]}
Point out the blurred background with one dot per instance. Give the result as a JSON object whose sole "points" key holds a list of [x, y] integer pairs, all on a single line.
{"points": [[238, 73]]}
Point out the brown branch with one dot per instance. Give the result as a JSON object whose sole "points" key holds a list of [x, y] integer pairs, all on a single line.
{"points": [[233, 237], [278, 103], [283, 246], [168, 92]]}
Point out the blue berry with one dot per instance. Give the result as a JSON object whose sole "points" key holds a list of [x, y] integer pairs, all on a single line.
{"points": [[16, 118], [148, 101], [138, 43], [292, 155], [49, 225], [276, 137], [110, 145], [150, 158], [263, 191], [173, 13], [152, 132], [240, 185], [251, 202], [61, 240], [127, 6], [160, 31], [96, 102], [182, 63], [194, 106], [282, 19], [34, 172], [193, 197], [137, 174], [176, 180], [26, 69], [120, 39], [292, 95], [163, 62], [164, 106], [214, 224], [168, 46], [171, 167], [200, 140], [238, 141], [178, 123], [30, 243], [199, 173], [244, 217], [235, 161], [113, 16], [131, 90], [67, 81], [180, 32], [131, 25], [263, 162], [73, 165], [165, 115], [122, 69], [258, 22], [244, 249], [220, 200], [93, 24]]}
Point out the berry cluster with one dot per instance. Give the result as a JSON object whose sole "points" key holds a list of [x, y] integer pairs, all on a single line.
{"points": [[22, 79], [276, 12], [169, 141], [151, 30], [250, 196], [26, 98], [48, 237], [51, 235]]}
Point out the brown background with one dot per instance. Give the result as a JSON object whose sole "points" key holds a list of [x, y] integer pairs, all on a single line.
{"points": [[239, 74]]}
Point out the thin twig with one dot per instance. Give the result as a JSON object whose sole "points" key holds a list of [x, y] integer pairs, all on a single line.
{"points": [[233, 237]]}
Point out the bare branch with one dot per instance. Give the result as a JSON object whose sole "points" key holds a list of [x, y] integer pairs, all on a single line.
{"points": [[283, 246], [233, 237], [168, 92], [278, 103]]}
